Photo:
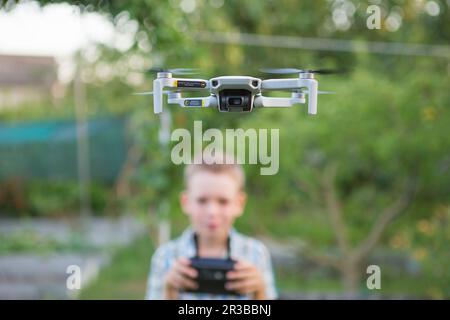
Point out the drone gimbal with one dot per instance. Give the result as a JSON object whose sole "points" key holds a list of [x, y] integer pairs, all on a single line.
{"points": [[237, 93]]}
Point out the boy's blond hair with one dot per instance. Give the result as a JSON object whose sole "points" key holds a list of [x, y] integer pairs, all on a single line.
{"points": [[218, 163]]}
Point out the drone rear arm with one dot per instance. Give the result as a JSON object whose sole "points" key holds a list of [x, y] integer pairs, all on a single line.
{"points": [[281, 84]]}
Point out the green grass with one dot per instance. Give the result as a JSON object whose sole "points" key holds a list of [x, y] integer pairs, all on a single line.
{"points": [[29, 241], [126, 276], [290, 282]]}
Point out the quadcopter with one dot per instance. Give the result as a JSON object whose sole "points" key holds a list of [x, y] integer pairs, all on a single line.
{"points": [[237, 93]]}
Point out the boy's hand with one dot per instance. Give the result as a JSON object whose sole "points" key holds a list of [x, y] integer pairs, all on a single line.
{"points": [[180, 277], [246, 279]]}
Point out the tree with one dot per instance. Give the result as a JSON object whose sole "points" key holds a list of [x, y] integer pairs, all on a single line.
{"points": [[367, 159], [351, 258]]}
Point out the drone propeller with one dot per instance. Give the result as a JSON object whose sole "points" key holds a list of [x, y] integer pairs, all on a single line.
{"points": [[174, 70], [293, 70]]}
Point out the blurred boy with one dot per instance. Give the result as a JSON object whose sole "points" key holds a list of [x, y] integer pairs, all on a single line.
{"points": [[213, 199]]}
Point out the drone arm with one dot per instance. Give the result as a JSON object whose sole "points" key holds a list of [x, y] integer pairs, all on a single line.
{"points": [[282, 84], [279, 84], [160, 83], [203, 102], [269, 102]]}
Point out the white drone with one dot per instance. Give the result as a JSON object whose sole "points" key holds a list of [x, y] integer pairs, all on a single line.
{"points": [[237, 93]]}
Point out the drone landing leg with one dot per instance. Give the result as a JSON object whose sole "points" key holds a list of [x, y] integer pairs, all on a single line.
{"points": [[312, 97], [157, 96]]}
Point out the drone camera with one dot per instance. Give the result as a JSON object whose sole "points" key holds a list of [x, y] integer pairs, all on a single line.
{"points": [[235, 100], [235, 93]]}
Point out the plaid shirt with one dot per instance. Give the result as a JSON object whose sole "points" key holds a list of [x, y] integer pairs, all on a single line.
{"points": [[241, 247]]}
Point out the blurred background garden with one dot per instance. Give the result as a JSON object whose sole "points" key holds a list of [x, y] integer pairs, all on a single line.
{"points": [[86, 177]]}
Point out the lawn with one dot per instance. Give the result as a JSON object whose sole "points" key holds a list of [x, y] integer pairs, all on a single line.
{"points": [[126, 276]]}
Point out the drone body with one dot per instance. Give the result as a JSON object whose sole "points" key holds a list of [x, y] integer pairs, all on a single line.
{"points": [[237, 93]]}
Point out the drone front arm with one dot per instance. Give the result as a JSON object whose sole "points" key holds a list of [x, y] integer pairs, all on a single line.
{"points": [[270, 102], [281, 84], [160, 84], [202, 102]]}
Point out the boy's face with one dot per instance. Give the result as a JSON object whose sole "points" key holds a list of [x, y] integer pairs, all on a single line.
{"points": [[213, 201]]}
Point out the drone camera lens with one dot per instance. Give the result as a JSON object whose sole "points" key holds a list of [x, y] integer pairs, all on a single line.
{"points": [[235, 101]]}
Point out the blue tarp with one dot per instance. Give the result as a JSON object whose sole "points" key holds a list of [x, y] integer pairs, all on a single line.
{"points": [[47, 149]]}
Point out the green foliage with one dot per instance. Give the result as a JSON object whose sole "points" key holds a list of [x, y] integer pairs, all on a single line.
{"points": [[43, 198], [26, 241], [376, 137]]}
